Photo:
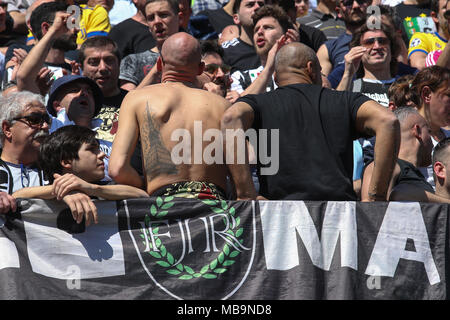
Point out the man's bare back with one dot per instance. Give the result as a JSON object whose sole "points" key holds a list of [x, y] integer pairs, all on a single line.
{"points": [[171, 119], [165, 112]]}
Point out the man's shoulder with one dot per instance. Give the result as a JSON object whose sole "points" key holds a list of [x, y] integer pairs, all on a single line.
{"points": [[142, 57]]}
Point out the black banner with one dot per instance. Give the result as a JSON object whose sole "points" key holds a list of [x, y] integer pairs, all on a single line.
{"points": [[171, 249]]}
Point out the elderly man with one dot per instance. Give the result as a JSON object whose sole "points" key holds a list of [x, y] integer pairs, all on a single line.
{"points": [[159, 112], [25, 123], [316, 128]]}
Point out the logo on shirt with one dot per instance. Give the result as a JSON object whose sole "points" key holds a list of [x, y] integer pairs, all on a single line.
{"points": [[415, 42]]}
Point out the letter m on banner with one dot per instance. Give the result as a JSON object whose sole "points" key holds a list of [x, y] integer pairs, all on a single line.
{"points": [[283, 220]]}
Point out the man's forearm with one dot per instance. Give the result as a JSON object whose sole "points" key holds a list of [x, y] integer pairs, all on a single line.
{"points": [[117, 192], [386, 152], [42, 192], [34, 61]]}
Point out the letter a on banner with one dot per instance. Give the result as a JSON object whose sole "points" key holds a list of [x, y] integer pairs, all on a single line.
{"points": [[401, 222]]}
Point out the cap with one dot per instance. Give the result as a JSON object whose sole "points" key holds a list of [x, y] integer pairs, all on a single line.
{"points": [[61, 82]]}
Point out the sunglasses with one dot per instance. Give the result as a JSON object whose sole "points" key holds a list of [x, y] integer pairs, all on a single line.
{"points": [[35, 119], [214, 68], [382, 41], [349, 3]]}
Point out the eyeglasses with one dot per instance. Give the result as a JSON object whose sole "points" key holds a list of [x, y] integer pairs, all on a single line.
{"points": [[382, 41], [214, 68], [35, 119], [349, 3]]}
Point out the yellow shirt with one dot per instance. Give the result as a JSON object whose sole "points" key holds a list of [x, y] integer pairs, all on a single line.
{"points": [[93, 22], [426, 43]]}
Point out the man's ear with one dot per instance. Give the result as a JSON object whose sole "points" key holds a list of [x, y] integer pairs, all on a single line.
{"points": [[159, 64], [44, 27], [439, 170], [310, 71], [66, 164], [392, 106], [425, 94], [6, 128], [56, 106], [236, 19], [201, 68], [181, 18], [417, 132]]}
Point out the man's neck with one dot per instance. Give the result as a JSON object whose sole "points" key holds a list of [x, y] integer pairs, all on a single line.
{"points": [[111, 93], [322, 7], [377, 74], [293, 78], [17, 155], [139, 17], [411, 2], [442, 191], [177, 77], [246, 35], [443, 34], [55, 56], [351, 28], [409, 154]]}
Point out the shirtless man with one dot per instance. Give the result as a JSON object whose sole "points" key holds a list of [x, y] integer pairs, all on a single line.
{"points": [[155, 112]]}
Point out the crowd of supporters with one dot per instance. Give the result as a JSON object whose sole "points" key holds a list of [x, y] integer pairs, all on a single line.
{"points": [[358, 89]]}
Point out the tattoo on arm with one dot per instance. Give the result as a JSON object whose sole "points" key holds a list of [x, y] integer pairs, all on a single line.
{"points": [[157, 159]]}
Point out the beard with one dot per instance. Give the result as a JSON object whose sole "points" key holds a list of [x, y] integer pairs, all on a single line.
{"points": [[65, 43]]}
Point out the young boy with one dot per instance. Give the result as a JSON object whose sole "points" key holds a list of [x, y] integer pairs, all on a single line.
{"points": [[73, 163]]}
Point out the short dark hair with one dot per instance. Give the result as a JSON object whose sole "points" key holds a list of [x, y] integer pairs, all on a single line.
{"points": [[98, 42], [63, 144], [172, 3], [390, 34], [275, 12], [45, 13], [211, 46], [440, 152]]}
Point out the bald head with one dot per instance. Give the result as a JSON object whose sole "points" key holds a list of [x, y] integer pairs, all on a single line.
{"points": [[294, 58], [294, 55], [181, 49]]}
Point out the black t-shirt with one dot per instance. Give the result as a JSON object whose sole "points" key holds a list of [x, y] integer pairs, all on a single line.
{"points": [[312, 37], [411, 175], [132, 37], [219, 19], [240, 55], [316, 132]]}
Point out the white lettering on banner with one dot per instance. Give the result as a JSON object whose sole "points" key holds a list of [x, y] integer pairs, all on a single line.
{"points": [[282, 220], [401, 222], [9, 257]]}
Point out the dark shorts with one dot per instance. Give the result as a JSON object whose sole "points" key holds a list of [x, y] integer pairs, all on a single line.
{"points": [[192, 190]]}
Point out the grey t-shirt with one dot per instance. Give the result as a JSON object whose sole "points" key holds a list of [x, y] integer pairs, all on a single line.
{"points": [[134, 67]]}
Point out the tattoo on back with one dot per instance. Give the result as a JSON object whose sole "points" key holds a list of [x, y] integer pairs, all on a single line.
{"points": [[157, 158]]}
